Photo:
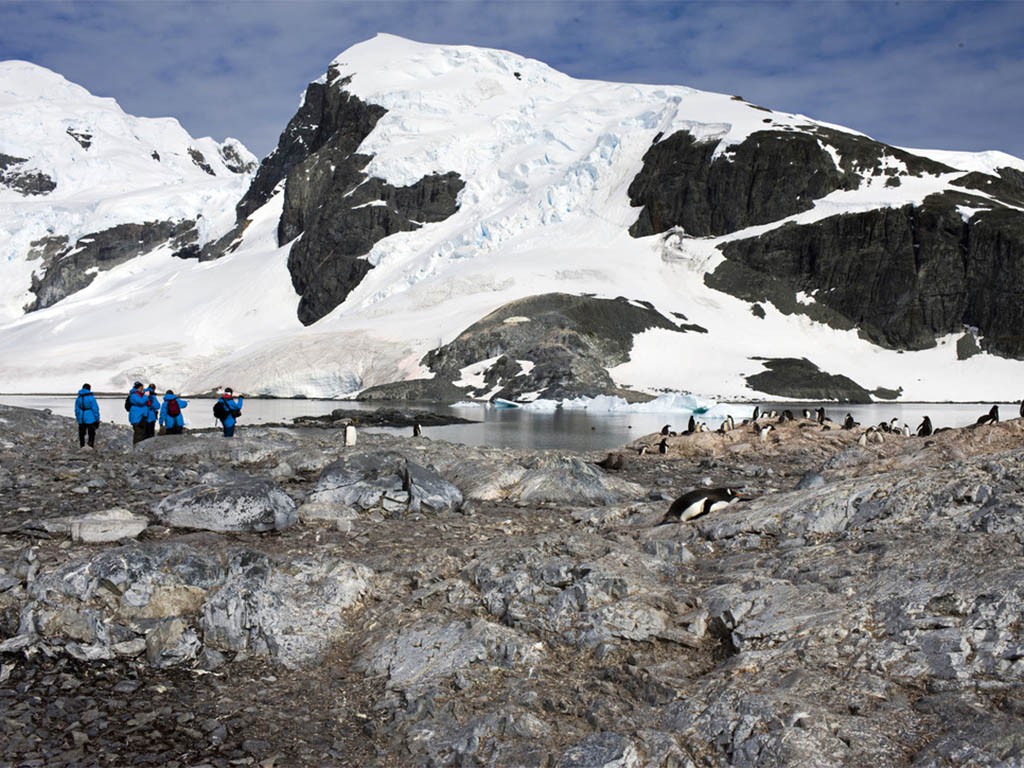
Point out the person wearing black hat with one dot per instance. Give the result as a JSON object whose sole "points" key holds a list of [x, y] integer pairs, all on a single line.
{"points": [[152, 415], [87, 414]]}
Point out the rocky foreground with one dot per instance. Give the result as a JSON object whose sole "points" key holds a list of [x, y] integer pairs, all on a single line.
{"points": [[282, 599]]}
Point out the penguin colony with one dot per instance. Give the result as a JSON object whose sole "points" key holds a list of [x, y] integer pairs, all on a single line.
{"points": [[701, 501]]}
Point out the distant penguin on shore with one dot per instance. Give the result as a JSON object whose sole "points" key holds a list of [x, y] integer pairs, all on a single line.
{"points": [[787, 415], [417, 431], [820, 415], [691, 426], [762, 433], [925, 428], [699, 502], [848, 422], [642, 450], [991, 417], [757, 413], [807, 413], [666, 430], [1022, 409], [663, 446]]}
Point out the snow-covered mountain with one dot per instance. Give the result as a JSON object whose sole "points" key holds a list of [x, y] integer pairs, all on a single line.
{"points": [[474, 223]]}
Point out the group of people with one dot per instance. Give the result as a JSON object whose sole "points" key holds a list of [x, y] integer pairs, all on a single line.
{"points": [[146, 410]]}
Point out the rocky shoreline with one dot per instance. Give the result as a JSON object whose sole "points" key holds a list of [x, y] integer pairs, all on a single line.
{"points": [[284, 599]]}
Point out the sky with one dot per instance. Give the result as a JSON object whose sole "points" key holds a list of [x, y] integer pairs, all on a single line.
{"points": [[926, 74]]}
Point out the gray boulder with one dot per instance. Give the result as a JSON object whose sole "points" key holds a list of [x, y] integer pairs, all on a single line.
{"points": [[290, 611], [245, 505], [383, 481]]}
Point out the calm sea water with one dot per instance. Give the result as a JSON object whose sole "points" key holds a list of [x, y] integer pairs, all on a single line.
{"points": [[561, 429]]}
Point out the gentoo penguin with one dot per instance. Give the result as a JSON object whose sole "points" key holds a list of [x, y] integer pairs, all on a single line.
{"points": [[925, 429], [691, 426], [757, 413], [820, 415], [699, 502], [762, 433], [416, 430], [991, 417], [807, 413], [663, 446], [612, 462], [642, 450], [863, 439], [665, 429], [1022, 409], [848, 422], [787, 415]]}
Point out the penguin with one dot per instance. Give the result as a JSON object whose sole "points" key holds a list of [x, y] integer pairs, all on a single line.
{"points": [[863, 439], [991, 417], [848, 422], [663, 446], [699, 502], [665, 430], [762, 433], [787, 415], [905, 430], [773, 414], [820, 415], [612, 462], [691, 426], [642, 450], [925, 428], [416, 430], [1022, 409], [807, 413], [757, 413]]}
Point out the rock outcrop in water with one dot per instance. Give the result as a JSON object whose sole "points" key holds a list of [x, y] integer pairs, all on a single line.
{"points": [[862, 607]]}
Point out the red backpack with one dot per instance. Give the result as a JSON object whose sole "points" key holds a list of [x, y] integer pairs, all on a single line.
{"points": [[173, 409]]}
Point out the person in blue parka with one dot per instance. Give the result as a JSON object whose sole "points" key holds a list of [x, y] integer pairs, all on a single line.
{"points": [[140, 402], [87, 414], [153, 415], [232, 409], [171, 417]]}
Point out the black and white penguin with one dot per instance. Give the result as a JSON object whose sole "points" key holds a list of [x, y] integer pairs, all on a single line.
{"points": [[642, 450], [691, 426], [699, 502], [991, 417], [663, 446], [1022, 409], [762, 433], [807, 413], [848, 422], [787, 415], [820, 415], [416, 429], [925, 428], [757, 413], [613, 462], [665, 430]]}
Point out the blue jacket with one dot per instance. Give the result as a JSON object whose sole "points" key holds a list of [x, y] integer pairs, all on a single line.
{"points": [[169, 421], [87, 410], [140, 407], [232, 405], [154, 408]]}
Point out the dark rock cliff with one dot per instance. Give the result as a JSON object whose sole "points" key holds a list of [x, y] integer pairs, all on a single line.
{"points": [[902, 276], [67, 269], [339, 212], [21, 181], [770, 175], [556, 344]]}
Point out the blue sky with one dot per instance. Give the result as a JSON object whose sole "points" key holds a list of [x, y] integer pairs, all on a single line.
{"points": [[933, 74]]}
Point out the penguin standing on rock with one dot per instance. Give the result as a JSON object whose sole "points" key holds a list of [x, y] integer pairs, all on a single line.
{"points": [[666, 430], [699, 502], [663, 446], [417, 431], [925, 428], [691, 426], [991, 417], [848, 422], [1022, 409], [762, 433]]}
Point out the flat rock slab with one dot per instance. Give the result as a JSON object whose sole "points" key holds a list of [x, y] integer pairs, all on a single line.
{"points": [[386, 481], [245, 505]]}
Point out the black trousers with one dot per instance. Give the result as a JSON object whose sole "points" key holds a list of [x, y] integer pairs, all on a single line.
{"points": [[150, 429], [87, 429]]}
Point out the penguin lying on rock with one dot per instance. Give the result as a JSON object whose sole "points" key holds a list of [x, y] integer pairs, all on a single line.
{"points": [[699, 502]]}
